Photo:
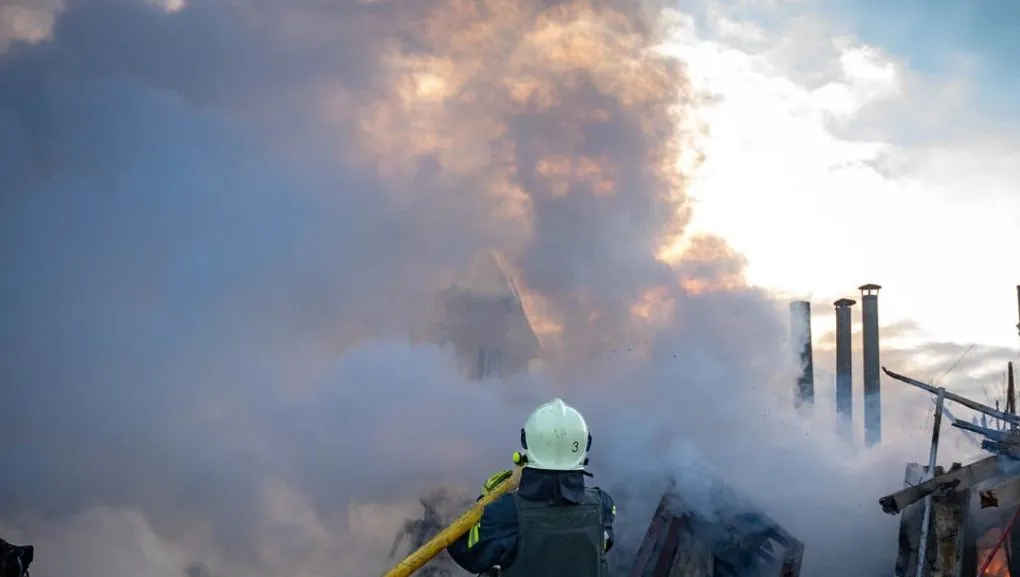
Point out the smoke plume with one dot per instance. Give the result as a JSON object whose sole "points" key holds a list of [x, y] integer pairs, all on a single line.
{"points": [[221, 220]]}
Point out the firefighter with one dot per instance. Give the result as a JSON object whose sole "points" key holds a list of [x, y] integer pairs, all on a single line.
{"points": [[551, 526]]}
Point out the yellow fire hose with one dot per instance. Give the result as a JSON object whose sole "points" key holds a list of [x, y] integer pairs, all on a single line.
{"points": [[447, 536]]}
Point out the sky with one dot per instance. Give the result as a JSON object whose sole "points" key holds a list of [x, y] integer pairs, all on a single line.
{"points": [[221, 218], [847, 149]]}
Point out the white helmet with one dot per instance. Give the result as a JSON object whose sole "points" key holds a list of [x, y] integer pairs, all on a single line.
{"points": [[556, 438]]}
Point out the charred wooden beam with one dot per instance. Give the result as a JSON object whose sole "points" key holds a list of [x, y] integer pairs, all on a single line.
{"points": [[659, 518], [735, 539], [1005, 437], [944, 539], [949, 524], [1004, 449], [956, 479], [1014, 419]]}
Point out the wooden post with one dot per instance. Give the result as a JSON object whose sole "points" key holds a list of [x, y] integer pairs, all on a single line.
{"points": [[950, 521], [933, 452]]}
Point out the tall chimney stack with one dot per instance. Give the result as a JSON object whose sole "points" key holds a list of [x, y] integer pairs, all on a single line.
{"points": [[800, 333], [844, 367], [1018, 308], [872, 376], [1010, 389]]}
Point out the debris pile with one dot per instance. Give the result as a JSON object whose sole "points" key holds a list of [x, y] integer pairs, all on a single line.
{"points": [[729, 538], [961, 521]]}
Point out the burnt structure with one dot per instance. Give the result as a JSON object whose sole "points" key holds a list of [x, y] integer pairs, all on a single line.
{"points": [[872, 375], [844, 366], [483, 319], [735, 539], [974, 520], [800, 335]]}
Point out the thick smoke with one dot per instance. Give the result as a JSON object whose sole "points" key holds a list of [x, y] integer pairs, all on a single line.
{"points": [[220, 221]]}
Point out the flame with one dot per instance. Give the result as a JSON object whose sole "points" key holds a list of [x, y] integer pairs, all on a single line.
{"points": [[997, 567]]}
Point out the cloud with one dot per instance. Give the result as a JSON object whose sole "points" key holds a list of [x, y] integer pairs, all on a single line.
{"points": [[862, 157], [970, 369], [26, 20], [937, 35], [223, 221]]}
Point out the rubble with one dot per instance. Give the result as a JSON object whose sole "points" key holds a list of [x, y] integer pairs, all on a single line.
{"points": [[973, 509], [483, 319], [732, 539]]}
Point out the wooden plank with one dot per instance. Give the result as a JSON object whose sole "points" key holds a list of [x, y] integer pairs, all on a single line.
{"points": [[958, 479], [694, 558], [664, 561], [659, 520], [1009, 438], [1001, 415]]}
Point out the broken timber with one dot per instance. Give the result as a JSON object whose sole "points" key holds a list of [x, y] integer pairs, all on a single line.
{"points": [[949, 545], [735, 540], [1006, 445], [956, 479], [995, 413]]}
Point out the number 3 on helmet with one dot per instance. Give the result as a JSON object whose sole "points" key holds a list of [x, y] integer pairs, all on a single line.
{"points": [[556, 438]]}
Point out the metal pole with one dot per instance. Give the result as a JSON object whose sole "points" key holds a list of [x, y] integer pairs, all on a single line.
{"points": [[922, 547]]}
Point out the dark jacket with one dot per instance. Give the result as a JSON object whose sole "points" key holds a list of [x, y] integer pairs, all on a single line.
{"points": [[493, 541]]}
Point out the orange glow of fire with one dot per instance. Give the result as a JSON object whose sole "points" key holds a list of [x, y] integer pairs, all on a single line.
{"points": [[655, 305], [997, 567]]}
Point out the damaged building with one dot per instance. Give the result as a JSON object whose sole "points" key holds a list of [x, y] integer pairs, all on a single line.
{"points": [[971, 524], [481, 317], [961, 521]]}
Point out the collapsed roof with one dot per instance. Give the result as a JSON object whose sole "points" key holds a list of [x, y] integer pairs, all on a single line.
{"points": [[726, 537]]}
